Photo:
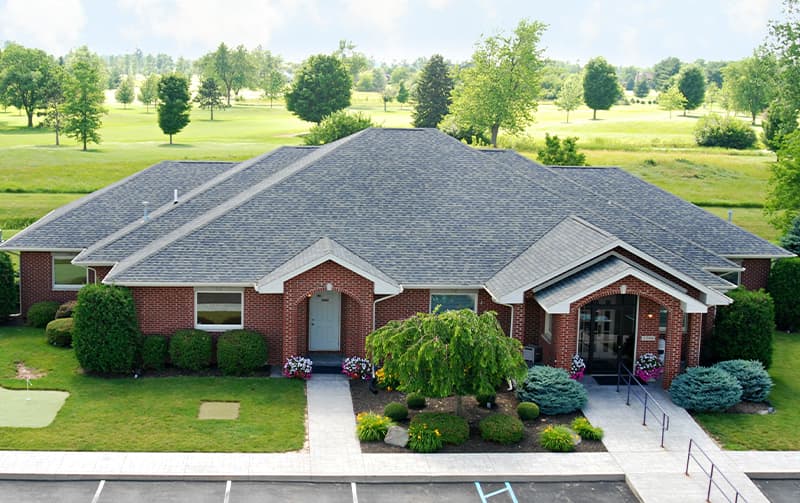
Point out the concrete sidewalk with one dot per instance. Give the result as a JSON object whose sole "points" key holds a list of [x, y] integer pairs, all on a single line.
{"points": [[334, 454]]}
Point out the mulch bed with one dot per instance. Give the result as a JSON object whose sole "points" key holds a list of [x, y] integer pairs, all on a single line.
{"points": [[364, 400]]}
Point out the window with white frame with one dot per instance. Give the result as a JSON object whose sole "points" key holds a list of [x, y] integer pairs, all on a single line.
{"points": [[454, 301], [734, 277], [67, 276], [548, 328], [218, 309]]}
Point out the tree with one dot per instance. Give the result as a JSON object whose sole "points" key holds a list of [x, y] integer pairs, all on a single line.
{"points": [[712, 95], [53, 112], [785, 45], [779, 121], [501, 86], [692, 84], [221, 66], [442, 354], [84, 92], [561, 153], [663, 71], [570, 96], [388, 95], [174, 104], [354, 62], [791, 240], [321, 86], [269, 74], [243, 70], [25, 78], [209, 96], [125, 93], [782, 205], [600, 85], [752, 83], [432, 94], [148, 93], [671, 99], [335, 126], [402, 94], [641, 89], [743, 329], [8, 289]]}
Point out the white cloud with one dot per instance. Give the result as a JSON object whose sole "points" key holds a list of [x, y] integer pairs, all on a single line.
{"points": [[52, 25], [382, 15], [438, 4], [748, 16]]}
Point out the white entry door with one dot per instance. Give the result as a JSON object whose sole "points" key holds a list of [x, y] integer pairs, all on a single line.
{"points": [[324, 321]]}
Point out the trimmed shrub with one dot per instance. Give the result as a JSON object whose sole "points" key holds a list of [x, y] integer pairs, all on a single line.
{"points": [[486, 401], [501, 428], [718, 131], [154, 351], [190, 349], [527, 411], [743, 330], [395, 411], [41, 313], [337, 125], [240, 352], [423, 438], [8, 288], [784, 287], [705, 389], [584, 428], [59, 332], [557, 439], [552, 390], [106, 334], [454, 429], [751, 376], [371, 427], [66, 309], [416, 401]]}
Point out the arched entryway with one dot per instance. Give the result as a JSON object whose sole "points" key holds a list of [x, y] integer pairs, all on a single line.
{"points": [[607, 333]]}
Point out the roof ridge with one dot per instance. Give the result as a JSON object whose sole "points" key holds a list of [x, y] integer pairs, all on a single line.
{"points": [[224, 208]]}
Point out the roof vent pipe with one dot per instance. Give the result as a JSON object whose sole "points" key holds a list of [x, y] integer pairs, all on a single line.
{"points": [[145, 217], [175, 196]]}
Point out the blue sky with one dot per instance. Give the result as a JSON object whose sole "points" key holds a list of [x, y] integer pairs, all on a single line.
{"points": [[639, 32]]}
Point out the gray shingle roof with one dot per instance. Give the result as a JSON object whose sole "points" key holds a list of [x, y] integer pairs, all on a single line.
{"points": [[89, 219]]}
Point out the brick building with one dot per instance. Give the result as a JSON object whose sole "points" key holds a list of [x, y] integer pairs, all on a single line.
{"points": [[314, 247]]}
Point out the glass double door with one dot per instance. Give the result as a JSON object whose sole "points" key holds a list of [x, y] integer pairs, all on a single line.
{"points": [[606, 333]]}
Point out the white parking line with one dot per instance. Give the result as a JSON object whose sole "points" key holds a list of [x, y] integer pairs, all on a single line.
{"points": [[227, 491], [355, 492], [98, 491]]}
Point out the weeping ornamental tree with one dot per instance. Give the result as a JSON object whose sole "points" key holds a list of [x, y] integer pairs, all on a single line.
{"points": [[442, 354]]}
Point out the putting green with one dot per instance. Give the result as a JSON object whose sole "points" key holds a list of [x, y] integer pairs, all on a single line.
{"points": [[29, 409], [218, 410]]}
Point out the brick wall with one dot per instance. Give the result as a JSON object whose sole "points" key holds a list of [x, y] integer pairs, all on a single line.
{"points": [[648, 323], [402, 306], [36, 273], [756, 273], [263, 313], [485, 303], [163, 310]]}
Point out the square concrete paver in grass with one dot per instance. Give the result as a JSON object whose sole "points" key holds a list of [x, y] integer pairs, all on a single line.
{"points": [[218, 410]]}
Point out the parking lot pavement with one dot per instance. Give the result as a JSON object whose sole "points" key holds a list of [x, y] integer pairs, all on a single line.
{"points": [[779, 490], [117, 491]]}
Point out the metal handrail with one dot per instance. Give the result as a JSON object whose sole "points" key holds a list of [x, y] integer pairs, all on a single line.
{"points": [[710, 474], [648, 401]]}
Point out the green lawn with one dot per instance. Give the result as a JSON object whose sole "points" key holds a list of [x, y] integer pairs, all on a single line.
{"points": [[774, 432], [148, 414]]}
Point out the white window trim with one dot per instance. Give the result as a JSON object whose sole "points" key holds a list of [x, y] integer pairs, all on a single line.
{"points": [[218, 328], [547, 334], [64, 288], [471, 293]]}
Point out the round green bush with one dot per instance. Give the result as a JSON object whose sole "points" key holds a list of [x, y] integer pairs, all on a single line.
{"points": [[65, 310], [106, 334], [41, 313], [584, 428], [190, 349], [501, 428], [483, 400], [415, 401], [557, 439], [722, 131], [240, 352], [527, 411], [454, 429], [154, 351], [395, 411], [784, 287], [754, 380], [8, 287], [59, 332], [705, 389], [552, 390], [743, 329]]}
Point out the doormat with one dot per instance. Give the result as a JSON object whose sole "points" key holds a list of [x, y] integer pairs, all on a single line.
{"points": [[327, 369], [218, 410], [612, 381]]}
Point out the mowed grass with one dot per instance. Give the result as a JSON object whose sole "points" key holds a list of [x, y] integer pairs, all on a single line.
{"points": [[774, 431], [148, 414]]}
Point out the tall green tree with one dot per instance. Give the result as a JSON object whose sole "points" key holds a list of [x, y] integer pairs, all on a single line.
{"points": [[125, 92], [600, 85], [570, 96], [663, 71], [220, 65], [671, 99], [355, 62], [641, 89], [388, 95], [174, 104], [53, 112], [321, 86], [432, 95], [784, 42], [779, 121], [783, 197], [752, 82], [25, 78], [712, 95], [443, 354], [402, 94], [148, 92], [209, 96], [501, 87], [692, 84], [243, 68], [84, 92], [270, 75]]}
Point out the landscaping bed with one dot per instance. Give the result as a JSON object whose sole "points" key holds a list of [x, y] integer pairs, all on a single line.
{"points": [[506, 402]]}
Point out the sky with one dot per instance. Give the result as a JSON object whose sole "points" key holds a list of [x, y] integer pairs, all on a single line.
{"points": [[639, 32]]}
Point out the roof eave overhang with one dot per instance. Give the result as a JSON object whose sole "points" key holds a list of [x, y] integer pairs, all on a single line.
{"points": [[758, 256], [111, 281], [35, 249]]}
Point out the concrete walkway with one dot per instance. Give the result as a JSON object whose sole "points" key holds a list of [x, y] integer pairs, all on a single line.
{"points": [[333, 454]]}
